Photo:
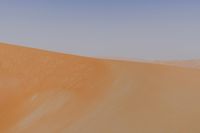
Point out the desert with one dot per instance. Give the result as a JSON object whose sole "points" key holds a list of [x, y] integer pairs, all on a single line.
{"points": [[48, 92]]}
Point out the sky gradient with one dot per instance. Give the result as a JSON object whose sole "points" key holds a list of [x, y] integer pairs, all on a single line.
{"points": [[133, 29]]}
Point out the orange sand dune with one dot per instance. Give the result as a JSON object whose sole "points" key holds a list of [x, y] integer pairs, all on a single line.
{"points": [[46, 92], [184, 63]]}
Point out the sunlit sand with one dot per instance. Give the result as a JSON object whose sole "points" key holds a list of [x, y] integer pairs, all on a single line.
{"points": [[47, 92]]}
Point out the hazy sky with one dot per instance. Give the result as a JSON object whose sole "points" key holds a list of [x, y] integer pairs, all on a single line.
{"points": [[137, 29]]}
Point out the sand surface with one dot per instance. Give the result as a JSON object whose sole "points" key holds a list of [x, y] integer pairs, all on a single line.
{"points": [[47, 92], [182, 63]]}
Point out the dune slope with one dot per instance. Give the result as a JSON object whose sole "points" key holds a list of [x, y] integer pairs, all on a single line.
{"points": [[46, 92], [182, 63], [188, 63]]}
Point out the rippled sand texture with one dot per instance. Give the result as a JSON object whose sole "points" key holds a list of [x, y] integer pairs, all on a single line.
{"points": [[46, 92]]}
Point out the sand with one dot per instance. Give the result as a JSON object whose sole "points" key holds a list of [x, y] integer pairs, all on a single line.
{"points": [[183, 63], [48, 92]]}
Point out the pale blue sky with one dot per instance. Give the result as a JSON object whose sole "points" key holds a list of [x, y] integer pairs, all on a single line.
{"points": [[136, 29]]}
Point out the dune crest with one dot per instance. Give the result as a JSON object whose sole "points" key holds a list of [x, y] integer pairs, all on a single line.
{"points": [[182, 63], [47, 92]]}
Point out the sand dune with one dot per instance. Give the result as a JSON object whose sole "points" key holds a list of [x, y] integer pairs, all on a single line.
{"points": [[46, 92], [182, 63]]}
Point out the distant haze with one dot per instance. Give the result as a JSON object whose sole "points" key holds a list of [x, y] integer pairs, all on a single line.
{"points": [[137, 29]]}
